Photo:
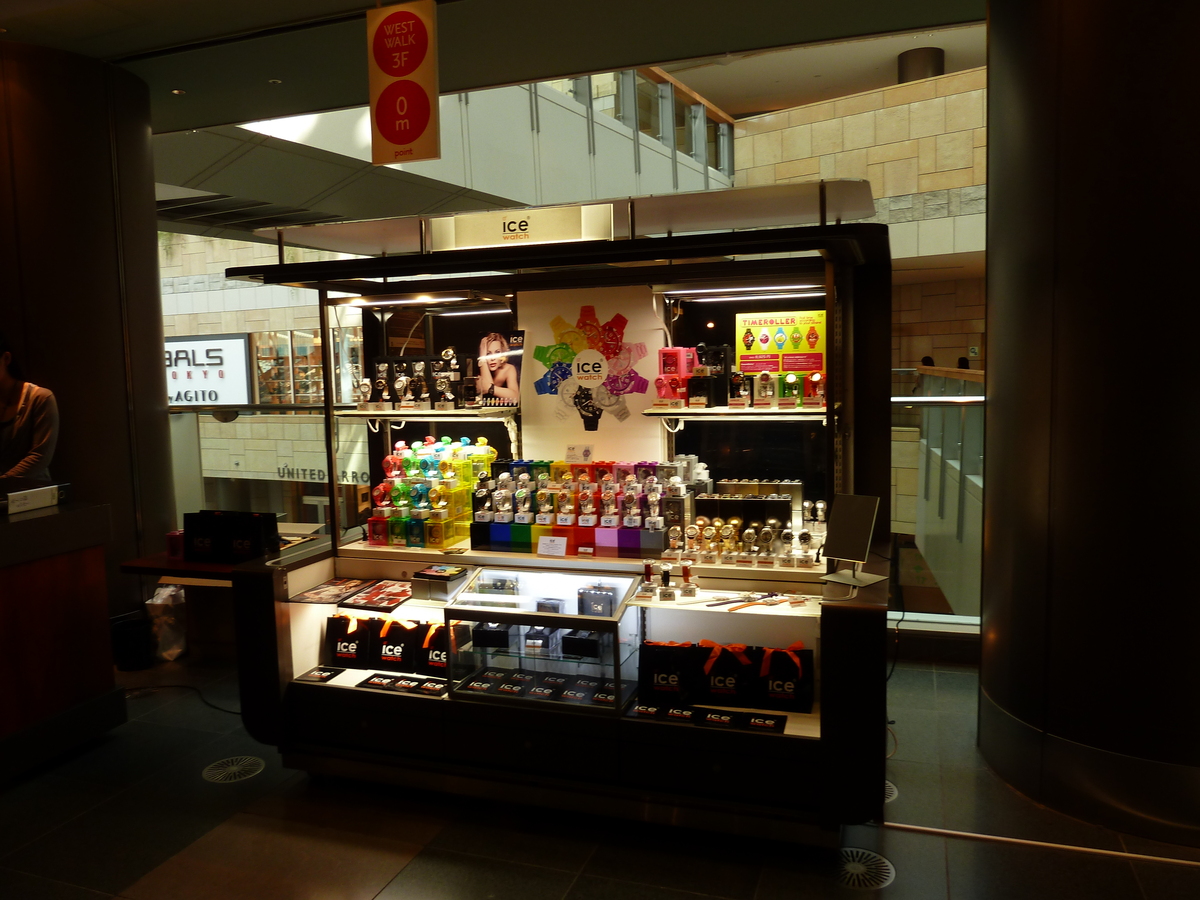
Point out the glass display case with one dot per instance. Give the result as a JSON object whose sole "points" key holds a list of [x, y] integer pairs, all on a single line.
{"points": [[546, 637]]}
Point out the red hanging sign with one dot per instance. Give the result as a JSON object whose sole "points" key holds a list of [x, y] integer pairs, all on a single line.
{"points": [[402, 62]]}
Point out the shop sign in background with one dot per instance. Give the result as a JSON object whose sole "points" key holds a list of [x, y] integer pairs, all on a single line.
{"points": [[402, 62], [207, 371], [780, 341], [605, 340]]}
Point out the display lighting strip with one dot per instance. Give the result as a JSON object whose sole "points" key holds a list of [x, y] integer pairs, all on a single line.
{"points": [[476, 312], [750, 298], [747, 290], [417, 301]]}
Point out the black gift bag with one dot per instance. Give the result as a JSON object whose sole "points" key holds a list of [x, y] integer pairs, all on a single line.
{"points": [[667, 672], [727, 675], [432, 644], [785, 679], [394, 650], [349, 641]]}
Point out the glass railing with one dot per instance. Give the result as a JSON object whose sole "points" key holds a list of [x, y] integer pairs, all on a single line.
{"points": [[937, 486], [268, 458]]}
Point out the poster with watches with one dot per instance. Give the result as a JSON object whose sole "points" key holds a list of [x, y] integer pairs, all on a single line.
{"points": [[781, 342], [590, 372], [498, 367]]}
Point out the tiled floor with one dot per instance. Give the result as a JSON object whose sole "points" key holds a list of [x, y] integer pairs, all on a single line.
{"points": [[132, 818]]}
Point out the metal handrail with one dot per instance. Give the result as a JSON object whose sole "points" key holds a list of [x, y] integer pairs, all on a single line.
{"points": [[938, 401], [259, 407]]}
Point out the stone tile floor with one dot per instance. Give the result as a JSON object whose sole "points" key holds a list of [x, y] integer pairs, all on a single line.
{"points": [[130, 817]]}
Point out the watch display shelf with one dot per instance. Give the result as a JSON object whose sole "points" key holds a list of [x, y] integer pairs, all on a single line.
{"points": [[534, 642], [771, 414], [465, 412]]}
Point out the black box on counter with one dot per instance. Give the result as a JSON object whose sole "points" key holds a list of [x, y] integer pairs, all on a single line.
{"points": [[582, 643], [597, 600], [224, 536], [439, 582], [492, 635]]}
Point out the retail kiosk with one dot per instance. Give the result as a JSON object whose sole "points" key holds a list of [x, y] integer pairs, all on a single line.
{"points": [[551, 623]]}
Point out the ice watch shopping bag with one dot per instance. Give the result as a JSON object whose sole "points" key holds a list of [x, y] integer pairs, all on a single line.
{"points": [[727, 673], [667, 672], [395, 649], [433, 645], [349, 641], [785, 679]]}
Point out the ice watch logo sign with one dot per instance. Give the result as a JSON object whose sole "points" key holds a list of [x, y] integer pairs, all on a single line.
{"points": [[515, 230]]}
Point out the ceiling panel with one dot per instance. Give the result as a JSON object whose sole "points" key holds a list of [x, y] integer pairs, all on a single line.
{"points": [[484, 43]]}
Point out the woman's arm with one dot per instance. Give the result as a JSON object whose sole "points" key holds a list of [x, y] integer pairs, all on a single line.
{"points": [[44, 418], [506, 382]]}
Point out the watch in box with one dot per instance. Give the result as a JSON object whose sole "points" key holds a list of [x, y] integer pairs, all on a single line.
{"points": [[542, 641], [597, 600]]}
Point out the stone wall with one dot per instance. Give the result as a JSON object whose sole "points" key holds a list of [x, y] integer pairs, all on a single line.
{"points": [[922, 145]]}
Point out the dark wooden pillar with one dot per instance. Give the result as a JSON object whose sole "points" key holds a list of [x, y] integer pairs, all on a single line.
{"points": [[79, 290], [1090, 620]]}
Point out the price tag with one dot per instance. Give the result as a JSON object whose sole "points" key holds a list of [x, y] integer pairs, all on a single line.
{"points": [[787, 402], [551, 546], [697, 402], [762, 403], [674, 404], [737, 402], [661, 403], [444, 406], [579, 453]]}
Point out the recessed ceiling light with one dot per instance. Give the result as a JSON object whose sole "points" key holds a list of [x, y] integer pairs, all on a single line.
{"points": [[274, 81], [178, 91]]}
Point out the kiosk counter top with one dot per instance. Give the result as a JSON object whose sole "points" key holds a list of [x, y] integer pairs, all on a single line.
{"points": [[39, 533]]}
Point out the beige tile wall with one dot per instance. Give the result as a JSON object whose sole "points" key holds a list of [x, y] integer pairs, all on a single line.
{"points": [[942, 319], [926, 135], [905, 456]]}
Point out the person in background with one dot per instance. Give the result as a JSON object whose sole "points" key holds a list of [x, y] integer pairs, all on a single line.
{"points": [[28, 422]]}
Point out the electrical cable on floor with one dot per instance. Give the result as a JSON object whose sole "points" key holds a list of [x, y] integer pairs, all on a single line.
{"points": [[972, 836], [151, 688]]}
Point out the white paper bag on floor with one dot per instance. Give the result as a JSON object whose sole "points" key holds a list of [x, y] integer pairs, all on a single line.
{"points": [[166, 611]]}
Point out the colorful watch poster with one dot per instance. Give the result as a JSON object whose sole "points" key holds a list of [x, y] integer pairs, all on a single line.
{"points": [[780, 341]]}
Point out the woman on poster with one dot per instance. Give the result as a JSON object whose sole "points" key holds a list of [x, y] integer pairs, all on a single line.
{"points": [[498, 377]]}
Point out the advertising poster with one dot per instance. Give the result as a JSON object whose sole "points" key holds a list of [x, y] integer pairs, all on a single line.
{"points": [[589, 373], [781, 341], [498, 366]]}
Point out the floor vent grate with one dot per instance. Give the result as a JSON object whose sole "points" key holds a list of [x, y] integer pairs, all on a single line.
{"points": [[889, 792], [235, 768], [864, 870]]}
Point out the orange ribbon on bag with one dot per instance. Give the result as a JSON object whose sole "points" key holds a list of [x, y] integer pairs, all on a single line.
{"points": [[738, 650], [431, 634], [792, 651], [406, 625]]}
